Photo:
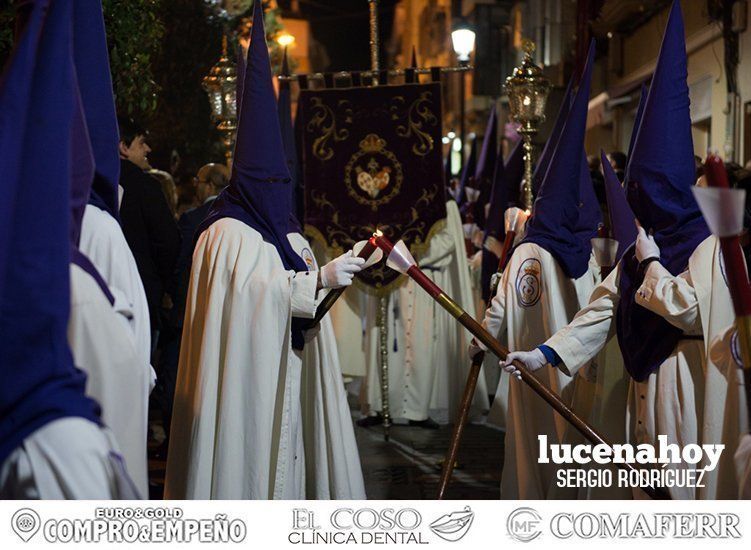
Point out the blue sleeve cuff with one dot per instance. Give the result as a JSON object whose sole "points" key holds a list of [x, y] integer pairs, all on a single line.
{"points": [[550, 355]]}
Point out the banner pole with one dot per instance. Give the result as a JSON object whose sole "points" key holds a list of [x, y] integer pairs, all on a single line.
{"points": [[383, 300], [373, 18]]}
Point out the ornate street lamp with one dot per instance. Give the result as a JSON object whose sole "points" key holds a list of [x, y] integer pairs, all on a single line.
{"points": [[221, 86], [527, 91], [463, 41]]}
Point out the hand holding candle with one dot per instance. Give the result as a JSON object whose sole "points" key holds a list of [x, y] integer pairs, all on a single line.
{"points": [[364, 249]]}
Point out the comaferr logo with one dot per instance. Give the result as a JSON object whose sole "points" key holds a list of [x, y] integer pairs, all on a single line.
{"points": [[526, 524], [523, 524], [590, 525]]}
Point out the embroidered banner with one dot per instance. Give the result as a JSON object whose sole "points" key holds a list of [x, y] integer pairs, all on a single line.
{"points": [[372, 160]]}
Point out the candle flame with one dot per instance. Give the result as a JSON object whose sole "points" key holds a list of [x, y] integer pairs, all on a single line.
{"points": [[378, 233]]}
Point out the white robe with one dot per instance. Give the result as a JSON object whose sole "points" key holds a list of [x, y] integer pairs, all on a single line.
{"points": [[236, 423], [534, 299], [735, 462], [118, 378], [70, 458], [600, 397], [490, 367], [103, 242], [743, 467], [332, 462], [347, 316], [427, 347], [671, 401]]}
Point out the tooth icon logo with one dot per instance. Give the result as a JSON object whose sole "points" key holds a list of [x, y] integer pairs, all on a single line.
{"points": [[25, 523], [452, 527]]}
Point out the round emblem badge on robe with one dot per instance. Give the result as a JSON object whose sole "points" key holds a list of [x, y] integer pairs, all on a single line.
{"points": [[308, 258], [528, 286]]}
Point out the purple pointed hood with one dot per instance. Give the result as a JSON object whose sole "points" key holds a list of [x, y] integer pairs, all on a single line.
{"points": [[240, 71], [284, 106], [82, 170], [468, 173], [621, 216], [95, 85], [513, 168], [555, 224], [486, 166], [447, 172], [547, 152], [494, 226], [661, 173], [590, 215], [259, 193], [83, 175], [637, 118], [38, 380]]}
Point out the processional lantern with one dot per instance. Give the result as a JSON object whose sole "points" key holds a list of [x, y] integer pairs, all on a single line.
{"points": [[221, 86], [527, 90]]}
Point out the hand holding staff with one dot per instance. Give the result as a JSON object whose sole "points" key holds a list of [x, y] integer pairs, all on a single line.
{"points": [[722, 208], [399, 258]]}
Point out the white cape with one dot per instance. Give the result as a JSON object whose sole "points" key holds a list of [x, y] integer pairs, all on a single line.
{"points": [[118, 378], [103, 242], [237, 428], [332, 462]]}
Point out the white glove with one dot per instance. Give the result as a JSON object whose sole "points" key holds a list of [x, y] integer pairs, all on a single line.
{"points": [[475, 347], [532, 361], [477, 237], [495, 279], [340, 271], [646, 247]]}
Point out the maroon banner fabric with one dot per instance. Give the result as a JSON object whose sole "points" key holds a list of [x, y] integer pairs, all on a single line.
{"points": [[372, 160]]}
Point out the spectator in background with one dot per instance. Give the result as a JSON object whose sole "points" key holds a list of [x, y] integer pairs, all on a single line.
{"points": [[187, 198], [699, 166], [168, 188], [147, 222], [209, 182], [618, 162], [598, 181]]}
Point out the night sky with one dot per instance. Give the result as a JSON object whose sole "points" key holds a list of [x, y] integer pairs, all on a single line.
{"points": [[342, 27]]}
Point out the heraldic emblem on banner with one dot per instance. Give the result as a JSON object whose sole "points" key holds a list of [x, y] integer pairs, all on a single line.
{"points": [[372, 160]]}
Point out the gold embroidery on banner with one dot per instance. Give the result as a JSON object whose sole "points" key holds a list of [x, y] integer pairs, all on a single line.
{"points": [[324, 120], [418, 115]]}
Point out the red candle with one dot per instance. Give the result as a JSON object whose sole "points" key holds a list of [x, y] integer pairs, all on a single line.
{"points": [[732, 254], [414, 271]]}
